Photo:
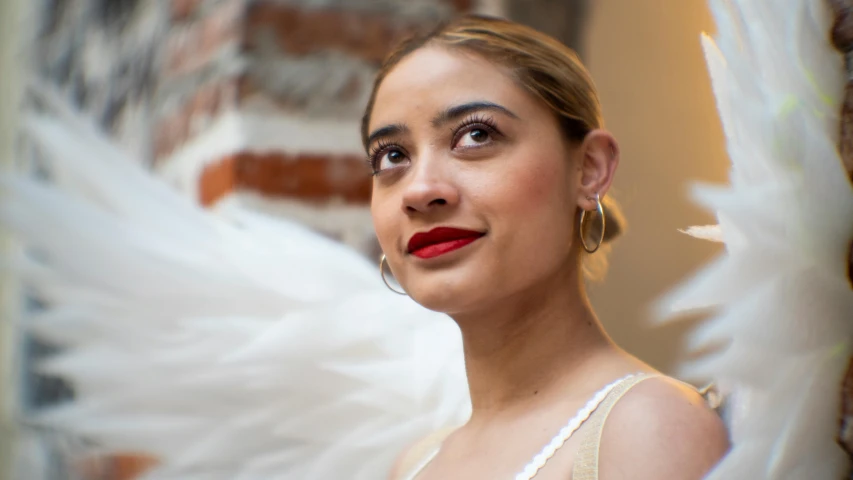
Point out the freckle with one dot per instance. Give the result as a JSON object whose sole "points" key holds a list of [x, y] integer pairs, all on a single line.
{"points": [[535, 392]]}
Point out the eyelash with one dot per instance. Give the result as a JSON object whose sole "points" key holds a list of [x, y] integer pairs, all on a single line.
{"points": [[373, 156], [475, 120]]}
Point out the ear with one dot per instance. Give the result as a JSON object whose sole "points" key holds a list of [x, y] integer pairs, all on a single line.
{"points": [[599, 159]]}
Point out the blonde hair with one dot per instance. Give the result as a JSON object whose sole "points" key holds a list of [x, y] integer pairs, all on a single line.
{"points": [[539, 63]]}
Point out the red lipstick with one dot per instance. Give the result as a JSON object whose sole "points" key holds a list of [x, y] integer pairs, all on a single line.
{"points": [[441, 240]]}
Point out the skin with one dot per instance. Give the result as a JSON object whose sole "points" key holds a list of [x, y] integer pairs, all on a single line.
{"points": [[534, 349]]}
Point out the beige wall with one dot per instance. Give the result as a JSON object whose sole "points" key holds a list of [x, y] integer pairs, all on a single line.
{"points": [[648, 64]]}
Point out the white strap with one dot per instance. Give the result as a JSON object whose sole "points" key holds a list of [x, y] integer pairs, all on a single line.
{"points": [[586, 459], [532, 468]]}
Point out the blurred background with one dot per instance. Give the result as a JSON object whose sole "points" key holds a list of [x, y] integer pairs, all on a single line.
{"points": [[260, 101]]}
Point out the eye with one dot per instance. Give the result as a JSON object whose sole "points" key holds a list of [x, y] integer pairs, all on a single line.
{"points": [[387, 157], [476, 131], [473, 137]]}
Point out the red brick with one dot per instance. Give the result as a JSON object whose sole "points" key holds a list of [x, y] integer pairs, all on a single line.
{"points": [[125, 466], [308, 177], [193, 46], [301, 31], [461, 6], [217, 180], [182, 10]]}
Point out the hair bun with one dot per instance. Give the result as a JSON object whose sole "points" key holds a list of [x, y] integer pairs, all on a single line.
{"points": [[614, 225]]}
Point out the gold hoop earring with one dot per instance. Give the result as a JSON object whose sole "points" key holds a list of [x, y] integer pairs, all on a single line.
{"points": [[382, 262], [600, 208]]}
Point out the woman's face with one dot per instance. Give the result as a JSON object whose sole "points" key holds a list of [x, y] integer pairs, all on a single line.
{"points": [[477, 189]]}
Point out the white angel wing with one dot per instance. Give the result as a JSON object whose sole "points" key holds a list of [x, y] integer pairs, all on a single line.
{"points": [[782, 328], [226, 344]]}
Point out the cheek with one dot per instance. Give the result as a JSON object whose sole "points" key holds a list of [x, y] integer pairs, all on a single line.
{"points": [[531, 206], [383, 221], [534, 188]]}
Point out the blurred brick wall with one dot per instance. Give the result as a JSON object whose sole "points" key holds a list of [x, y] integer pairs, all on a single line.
{"points": [[258, 100], [103, 54], [261, 102]]}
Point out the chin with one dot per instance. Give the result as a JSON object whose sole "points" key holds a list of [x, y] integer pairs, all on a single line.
{"points": [[442, 302], [455, 295]]}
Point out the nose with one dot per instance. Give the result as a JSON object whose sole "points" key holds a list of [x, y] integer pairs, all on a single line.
{"points": [[430, 188]]}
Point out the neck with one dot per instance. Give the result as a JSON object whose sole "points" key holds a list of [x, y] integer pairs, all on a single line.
{"points": [[530, 345]]}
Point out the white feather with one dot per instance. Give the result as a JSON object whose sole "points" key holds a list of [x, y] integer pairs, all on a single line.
{"points": [[783, 303], [225, 343]]}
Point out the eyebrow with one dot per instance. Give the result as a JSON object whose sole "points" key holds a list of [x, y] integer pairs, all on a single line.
{"points": [[457, 111], [387, 131], [442, 118]]}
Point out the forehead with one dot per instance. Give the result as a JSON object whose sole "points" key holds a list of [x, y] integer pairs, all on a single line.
{"points": [[433, 78]]}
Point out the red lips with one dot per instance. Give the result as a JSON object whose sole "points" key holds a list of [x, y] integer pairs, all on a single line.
{"points": [[441, 240]]}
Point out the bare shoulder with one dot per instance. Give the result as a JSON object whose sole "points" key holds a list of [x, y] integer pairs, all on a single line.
{"points": [[661, 428]]}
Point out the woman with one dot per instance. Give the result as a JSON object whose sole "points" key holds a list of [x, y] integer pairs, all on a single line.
{"points": [[491, 173], [320, 372]]}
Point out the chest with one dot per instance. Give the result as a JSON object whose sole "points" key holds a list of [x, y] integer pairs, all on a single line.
{"points": [[503, 457], [524, 449]]}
